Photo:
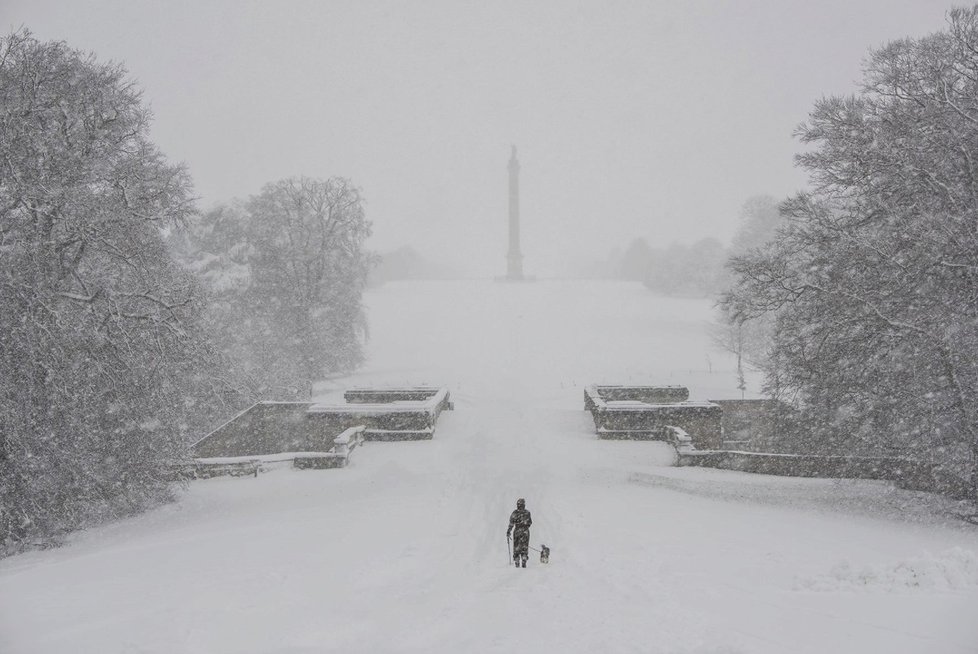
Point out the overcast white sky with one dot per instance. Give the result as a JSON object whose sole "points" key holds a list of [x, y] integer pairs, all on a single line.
{"points": [[640, 118]]}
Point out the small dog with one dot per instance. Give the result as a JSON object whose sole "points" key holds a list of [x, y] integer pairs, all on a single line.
{"points": [[544, 554]]}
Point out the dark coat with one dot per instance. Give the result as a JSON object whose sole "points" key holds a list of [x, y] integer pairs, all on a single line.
{"points": [[519, 526]]}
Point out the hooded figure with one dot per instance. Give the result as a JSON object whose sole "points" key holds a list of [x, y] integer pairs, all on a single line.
{"points": [[519, 527]]}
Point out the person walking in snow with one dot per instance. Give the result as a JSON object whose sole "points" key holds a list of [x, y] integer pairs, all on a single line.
{"points": [[519, 527]]}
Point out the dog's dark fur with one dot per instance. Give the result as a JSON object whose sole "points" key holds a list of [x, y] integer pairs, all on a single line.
{"points": [[544, 554]]}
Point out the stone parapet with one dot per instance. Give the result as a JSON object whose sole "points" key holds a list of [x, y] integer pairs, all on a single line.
{"points": [[649, 412]]}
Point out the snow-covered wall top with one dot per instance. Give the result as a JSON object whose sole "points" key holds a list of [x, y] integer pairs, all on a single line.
{"points": [[647, 394], [434, 402], [388, 395]]}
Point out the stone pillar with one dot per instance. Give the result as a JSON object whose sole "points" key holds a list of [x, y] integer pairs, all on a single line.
{"points": [[514, 260]]}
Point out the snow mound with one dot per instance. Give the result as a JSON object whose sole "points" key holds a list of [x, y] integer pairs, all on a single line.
{"points": [[953, 569]]}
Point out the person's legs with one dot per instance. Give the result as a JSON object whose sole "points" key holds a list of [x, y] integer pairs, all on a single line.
{"points": [[522, 543]]}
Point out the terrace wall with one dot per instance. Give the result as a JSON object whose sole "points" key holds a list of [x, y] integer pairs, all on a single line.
{"points": [[267, 428], [638, 419], [388, 395], [273, 427], [647, 394], [907, 474]]}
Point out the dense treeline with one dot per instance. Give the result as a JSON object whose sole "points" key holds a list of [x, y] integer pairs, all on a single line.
{"points": [[872, 282], [406, 263], [680, 270], [114, 356], [699, 269]]}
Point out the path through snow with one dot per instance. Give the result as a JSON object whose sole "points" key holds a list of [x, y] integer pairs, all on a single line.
{"points": [[405, 551]]}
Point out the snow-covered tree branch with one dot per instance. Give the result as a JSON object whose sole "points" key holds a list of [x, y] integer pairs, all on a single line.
{"points": [[100, 338], [873, 278]]}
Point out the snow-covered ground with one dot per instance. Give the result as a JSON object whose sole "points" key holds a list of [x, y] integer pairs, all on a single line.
{"points": [[405, 550]]}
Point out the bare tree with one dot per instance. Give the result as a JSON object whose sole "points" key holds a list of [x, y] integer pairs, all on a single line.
{"points": [[285, 273], [749, 339]]}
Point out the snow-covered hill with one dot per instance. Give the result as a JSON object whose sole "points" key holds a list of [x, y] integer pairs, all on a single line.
{"points": [[405, 550]]}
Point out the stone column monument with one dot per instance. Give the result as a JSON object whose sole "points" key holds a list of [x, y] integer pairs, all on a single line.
{"points": [[514, 260]]}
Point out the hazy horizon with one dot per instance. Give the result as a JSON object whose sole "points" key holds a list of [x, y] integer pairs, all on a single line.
{"points": [[652, 120]]}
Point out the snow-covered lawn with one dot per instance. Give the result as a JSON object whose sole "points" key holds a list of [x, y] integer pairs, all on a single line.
{"points": [[405, 550]]}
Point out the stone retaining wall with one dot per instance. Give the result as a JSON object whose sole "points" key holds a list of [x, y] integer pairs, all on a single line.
{"points": [[273, 427], [267, 428], [647, 394], [630, 416], [907, 474]]}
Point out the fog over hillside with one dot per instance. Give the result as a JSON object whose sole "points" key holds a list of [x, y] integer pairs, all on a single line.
{"points": [[373, 326]]}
